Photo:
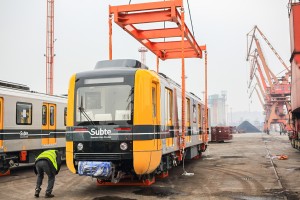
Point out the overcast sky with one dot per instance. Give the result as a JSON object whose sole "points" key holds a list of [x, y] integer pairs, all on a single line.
{"points": [[81, 30]]}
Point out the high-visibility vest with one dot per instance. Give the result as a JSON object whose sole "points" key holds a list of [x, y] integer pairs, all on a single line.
{"points": [[50, 155]]}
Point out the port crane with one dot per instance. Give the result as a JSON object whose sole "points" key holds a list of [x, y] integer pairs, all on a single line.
{"points": [[275, 90]]}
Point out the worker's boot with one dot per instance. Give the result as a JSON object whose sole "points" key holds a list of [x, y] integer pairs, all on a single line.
{"points": [[49, 195], [37, 192]]}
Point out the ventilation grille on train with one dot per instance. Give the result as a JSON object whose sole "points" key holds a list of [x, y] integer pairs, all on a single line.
{"points": [[92, 157]]}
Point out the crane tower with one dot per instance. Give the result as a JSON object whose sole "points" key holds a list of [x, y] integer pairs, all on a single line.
{"points": [[50, 47]]}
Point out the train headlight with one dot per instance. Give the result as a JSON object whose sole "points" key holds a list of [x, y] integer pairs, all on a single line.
{"points": [[123, 146], [79, 146]]}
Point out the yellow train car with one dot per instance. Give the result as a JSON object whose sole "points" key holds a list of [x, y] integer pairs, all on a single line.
{"points": [[125, 120]]}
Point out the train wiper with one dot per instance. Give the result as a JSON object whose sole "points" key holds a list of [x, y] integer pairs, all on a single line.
{"points": [[82, 111]]}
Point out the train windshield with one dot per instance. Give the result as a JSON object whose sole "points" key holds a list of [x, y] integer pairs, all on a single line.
{"points": [[105, 103]]}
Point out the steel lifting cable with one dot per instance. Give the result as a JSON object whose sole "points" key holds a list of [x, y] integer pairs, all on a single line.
{"points": [[190, 17]]}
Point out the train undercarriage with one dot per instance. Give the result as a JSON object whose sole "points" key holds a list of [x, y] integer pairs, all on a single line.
{"points": [[9, 160], [122, 172]]}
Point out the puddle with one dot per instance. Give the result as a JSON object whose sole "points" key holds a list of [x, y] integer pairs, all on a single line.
{"points": [[290, 195], [252, 198], [293, 169], [243, 196], [156, 191], [208, 158], [239, 164], [112, 198], [232, 157]]}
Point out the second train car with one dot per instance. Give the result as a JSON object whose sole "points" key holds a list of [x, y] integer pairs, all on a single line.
{"points": [[125, 120], [30, 123]]}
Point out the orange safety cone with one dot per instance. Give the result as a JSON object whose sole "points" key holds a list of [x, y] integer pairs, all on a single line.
{"points": [[282, 157]]}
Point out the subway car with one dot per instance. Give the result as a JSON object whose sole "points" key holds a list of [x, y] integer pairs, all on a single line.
{"points": [[30, 123], [125, 121]]}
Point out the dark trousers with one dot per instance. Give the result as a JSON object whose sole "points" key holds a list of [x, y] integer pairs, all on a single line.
{"points": [[43, 166]]}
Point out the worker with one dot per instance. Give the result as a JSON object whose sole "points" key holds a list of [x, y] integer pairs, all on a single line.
{"points": [[48, 162]]}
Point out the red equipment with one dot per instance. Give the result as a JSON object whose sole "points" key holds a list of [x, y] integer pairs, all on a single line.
{"points": [[221, 133], [295, 62]]}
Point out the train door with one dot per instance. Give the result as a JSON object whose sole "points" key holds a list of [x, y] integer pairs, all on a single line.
{"points": [[1, 120], [188, 119], [155, 110], [199, 120], [49, 123], [169, 115]]}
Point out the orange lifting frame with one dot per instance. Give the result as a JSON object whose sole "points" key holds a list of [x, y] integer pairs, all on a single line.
{"points": [[128, 16]]}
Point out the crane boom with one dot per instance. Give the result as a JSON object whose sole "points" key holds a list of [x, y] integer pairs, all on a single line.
{"points": [[262, 78], [272, 48], [263, 60], [259, 85], [259, 97]]}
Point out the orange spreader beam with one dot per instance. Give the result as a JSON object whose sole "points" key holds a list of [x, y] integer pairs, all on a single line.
{"points": [[129, 17]]}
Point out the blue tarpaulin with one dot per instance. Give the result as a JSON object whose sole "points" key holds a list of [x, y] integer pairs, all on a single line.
{"points": [[95, 169]]}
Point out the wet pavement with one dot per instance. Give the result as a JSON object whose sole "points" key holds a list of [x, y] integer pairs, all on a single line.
{"points": [[245, 168]]}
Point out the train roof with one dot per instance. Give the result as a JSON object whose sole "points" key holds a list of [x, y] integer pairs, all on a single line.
{"points": [[18, 86], [32, 94], [112, 68], [130, 63], [177, 84], [124, 67]]}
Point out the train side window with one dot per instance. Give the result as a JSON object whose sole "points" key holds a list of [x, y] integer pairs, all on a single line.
{"points": [[65, 116], [1, 114], [24, 113], [154, 101], [207, 115], [168, 106], [203, 116], [52, 115], [199, 114], [0, 110], [194, 113], [44, 115], [188, 112], [179, 107]]}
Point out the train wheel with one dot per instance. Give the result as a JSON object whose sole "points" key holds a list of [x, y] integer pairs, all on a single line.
{"points": [[100, 182], [149, 179], [4, 169], [4, 164]]}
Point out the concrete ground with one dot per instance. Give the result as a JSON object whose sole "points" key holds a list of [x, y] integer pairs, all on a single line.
{"points": [[244, 168]]}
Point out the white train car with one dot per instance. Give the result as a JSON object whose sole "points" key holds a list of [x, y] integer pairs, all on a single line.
{"points": [[30, 123]]}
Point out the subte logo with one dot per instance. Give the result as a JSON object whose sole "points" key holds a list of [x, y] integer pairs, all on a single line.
{"points": [[100, 131]]}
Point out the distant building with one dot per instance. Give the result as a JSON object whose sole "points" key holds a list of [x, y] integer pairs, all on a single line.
{"points": [[217, 105]]}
